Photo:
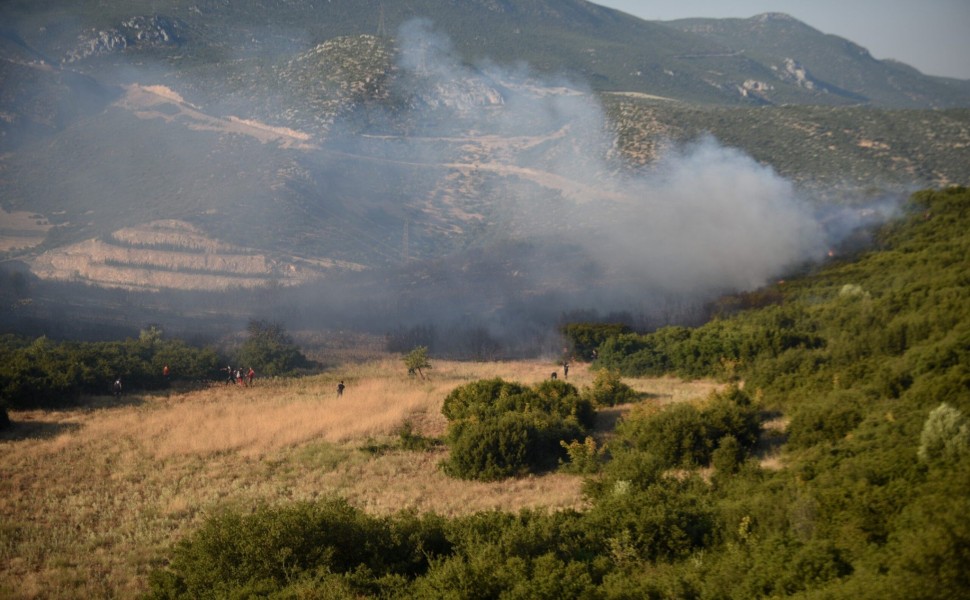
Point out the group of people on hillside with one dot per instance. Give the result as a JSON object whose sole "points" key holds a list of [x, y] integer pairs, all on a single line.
{"points": [[238, 377]]}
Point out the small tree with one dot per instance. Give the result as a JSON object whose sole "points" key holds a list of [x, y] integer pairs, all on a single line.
{"points": [[609, 390], [945, 436], [417, 360], [270, 350]]}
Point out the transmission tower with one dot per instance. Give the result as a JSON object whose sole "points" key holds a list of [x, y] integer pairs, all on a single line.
{"points": [[381, 29], [404, 242]]}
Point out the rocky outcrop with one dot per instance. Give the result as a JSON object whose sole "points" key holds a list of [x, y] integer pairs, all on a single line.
{"points": [[792, 71], [136, 32]]}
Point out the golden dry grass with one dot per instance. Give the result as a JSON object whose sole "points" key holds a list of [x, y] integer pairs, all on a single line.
{"points": [[92, 498]]}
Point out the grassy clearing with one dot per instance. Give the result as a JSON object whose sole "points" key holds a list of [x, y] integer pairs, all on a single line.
{"points": [[90, 498]]}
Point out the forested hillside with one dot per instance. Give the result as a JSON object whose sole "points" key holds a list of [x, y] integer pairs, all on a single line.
{"points": [[844, 153], [864, 362]]}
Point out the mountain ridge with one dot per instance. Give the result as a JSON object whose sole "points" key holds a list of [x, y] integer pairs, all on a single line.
{"points": [[344, 154], [843, 67], [571, 37]]}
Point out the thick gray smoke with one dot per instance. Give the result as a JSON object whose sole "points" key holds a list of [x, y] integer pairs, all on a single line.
{"points": [[703, 220], [518, 204]]}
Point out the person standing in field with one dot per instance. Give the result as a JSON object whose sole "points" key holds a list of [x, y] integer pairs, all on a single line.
{"points": [[340, 389], [249, 376]]}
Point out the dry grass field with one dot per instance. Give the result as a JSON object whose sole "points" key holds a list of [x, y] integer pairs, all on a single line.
{"points": [[92, 498]]}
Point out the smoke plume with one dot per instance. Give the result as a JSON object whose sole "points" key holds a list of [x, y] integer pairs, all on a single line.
{"points": [[587, 231]]}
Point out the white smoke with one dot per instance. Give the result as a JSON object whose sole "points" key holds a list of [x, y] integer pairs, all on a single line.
{"points": [[703, 220]]}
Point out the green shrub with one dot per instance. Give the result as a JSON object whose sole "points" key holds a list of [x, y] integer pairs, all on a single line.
{"points": [[675, 435], [260, 554], [493, 449], [483, 399], [666, 520], [826, 420], [727, 456], [945, 437], [930, 545], [270, 351], [778, 566], [608, 389], [584, 457], [500, 429], [560, 400], [684, 435], [731, 414], [232, 552], [585, 338]]}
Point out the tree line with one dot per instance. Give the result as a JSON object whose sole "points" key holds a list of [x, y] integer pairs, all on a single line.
{"points": [[43, 373]]}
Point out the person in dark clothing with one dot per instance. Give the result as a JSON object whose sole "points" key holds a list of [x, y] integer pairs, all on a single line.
{"points": [[340, 389], [117, 388]]}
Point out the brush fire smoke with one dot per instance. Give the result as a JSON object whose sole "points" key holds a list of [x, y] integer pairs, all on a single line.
{"points": [[515, 203], [574, 231]]}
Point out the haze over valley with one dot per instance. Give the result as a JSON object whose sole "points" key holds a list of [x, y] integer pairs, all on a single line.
{"points": [[373, 167], [477, 299]]}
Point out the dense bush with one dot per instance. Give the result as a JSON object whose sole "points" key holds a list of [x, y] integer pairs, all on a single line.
{"points": [[717, 349], [43, 373], [608, 389], [236, 555], [826, 420], [585, 338], [270, 351], [500, 429], [503, 446], [663, 521], [685, 435]]}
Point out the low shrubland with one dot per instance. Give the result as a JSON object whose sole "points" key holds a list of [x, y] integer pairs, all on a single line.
{"points": [[865, 358]]}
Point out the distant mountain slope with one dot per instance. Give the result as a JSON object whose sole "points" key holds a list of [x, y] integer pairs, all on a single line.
{"points": [[834, 151], [38, 99], [766, 59], [460, 156], [807, 66]]}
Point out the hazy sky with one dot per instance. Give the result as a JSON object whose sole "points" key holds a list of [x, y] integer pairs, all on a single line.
{"points": [[931, 35]]}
